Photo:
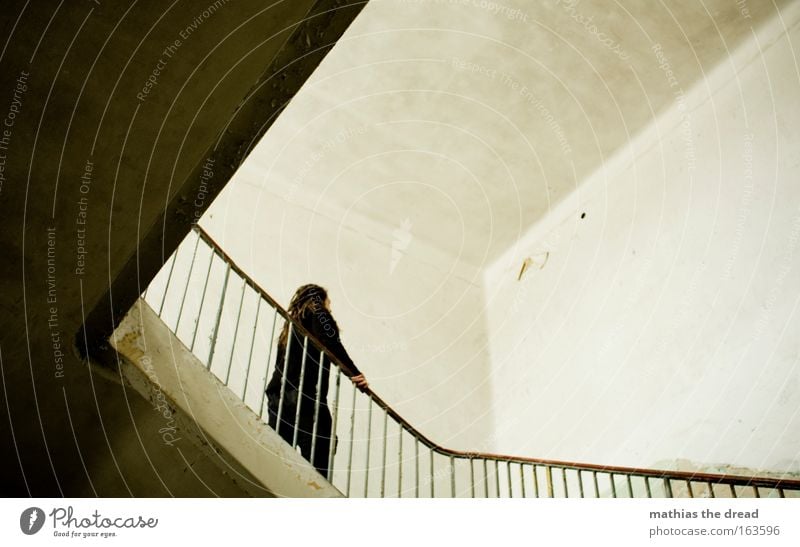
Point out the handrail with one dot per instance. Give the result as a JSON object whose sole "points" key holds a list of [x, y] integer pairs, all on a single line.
{"points": [[778, 484], [765, 482]]}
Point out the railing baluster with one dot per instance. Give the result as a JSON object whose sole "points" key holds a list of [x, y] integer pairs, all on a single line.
{"points": [[352, 434], [202, 300], [416, 467], [433, 493], [668, 487], [689, 489], [269, 353], [647, 486], [452, 477], [300, 391], [400, 460], [755, 489], [535, 482], [485, 478], [383, 458], [236, 334], [219, 316], [169, 278], [186, 288], [580, 482], [522, 480], [332, 440], [711, 493], [497, 477], [247, 367], [283, 377], [471, 477], [549, 477], [369, 443], [508, 476], [317, 400], [630, 485]]}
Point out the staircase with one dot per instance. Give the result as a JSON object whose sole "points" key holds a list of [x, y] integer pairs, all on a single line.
{"points": [[223, 326]]}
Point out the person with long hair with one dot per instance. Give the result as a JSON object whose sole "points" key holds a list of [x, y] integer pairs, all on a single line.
{"points": [[309, 307]]}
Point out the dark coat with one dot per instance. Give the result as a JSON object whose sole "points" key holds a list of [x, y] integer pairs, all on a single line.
{"points": [[321, 324]]}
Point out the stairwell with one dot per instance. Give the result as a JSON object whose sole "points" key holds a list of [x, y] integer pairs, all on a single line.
{"points": [[202, 355]]}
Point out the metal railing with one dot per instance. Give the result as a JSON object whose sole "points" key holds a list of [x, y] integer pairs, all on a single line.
{"points": [[230, 323]]}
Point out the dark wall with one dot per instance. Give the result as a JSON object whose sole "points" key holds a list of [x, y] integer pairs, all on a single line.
{"points": [[107, 125]]}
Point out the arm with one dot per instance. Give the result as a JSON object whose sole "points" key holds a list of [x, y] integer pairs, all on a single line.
{"points": [[324, 328]]}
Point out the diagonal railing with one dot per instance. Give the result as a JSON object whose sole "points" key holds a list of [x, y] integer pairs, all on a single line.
{"points": [[230, 323]]}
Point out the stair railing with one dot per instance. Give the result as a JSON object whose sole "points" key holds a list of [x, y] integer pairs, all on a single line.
{"points": [[230, 323]]}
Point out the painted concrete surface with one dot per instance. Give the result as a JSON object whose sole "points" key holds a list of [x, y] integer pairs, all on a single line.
{"points": [[387, 301], [662, 325], [164, 371], [443, 144], [232, 330], [474, 123]]}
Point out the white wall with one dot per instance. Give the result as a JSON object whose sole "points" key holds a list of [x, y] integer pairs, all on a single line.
{"points": [[411, 321], [662, 330], [639, 340]]}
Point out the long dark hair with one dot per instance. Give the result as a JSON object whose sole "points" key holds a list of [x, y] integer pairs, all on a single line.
{"points": [[308, 297]]}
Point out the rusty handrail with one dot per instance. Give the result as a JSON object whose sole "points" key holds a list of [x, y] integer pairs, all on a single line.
{"points": [[710, 478]]}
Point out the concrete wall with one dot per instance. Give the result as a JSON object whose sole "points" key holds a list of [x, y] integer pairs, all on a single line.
{"points": [[228, 326], [442, 144], [89, 168], [411, 324], [457, 138], [197, 406], [474, 122], [656, 325]]}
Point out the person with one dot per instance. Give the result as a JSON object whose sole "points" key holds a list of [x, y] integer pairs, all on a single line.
{"points": [[309, 307]]}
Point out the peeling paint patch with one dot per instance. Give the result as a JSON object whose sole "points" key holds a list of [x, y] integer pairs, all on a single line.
{"points": [[538, 260]]}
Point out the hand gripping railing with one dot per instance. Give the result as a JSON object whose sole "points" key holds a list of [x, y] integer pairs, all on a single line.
{"points": [[375, 451]]}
